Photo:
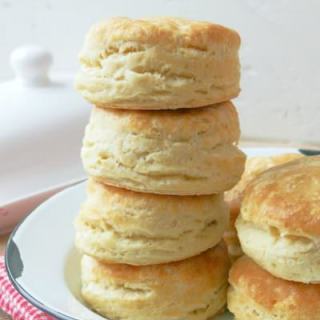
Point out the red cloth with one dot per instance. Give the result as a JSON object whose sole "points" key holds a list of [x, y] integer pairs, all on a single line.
{"points": [[12, 303]]}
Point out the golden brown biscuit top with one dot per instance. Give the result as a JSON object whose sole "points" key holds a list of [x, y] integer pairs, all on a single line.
{"points": [[269, 291], [214, 263], [161, 31], [254, 166], [286, 197], [220, 120]]}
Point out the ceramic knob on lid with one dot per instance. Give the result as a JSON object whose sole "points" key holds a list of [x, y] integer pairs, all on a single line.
{"points": [[42, 123], [31, 65]]}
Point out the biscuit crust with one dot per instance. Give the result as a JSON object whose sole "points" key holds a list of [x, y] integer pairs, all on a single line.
{"points": [[192, 289], [121, 226], [286, 197], [159, 63], [181, 152], [257, 295]]}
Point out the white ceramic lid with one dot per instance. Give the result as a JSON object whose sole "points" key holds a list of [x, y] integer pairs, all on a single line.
{"points": [[42, 122]]}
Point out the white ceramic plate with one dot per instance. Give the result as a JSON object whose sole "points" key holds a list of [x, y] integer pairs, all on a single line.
{"points": [[42, 262]]}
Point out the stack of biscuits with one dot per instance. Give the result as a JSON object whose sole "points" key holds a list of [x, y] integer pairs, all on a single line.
{"points": [[160, 150], [279, 232]]}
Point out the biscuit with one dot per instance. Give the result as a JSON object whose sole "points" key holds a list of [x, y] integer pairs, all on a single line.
{"points": [[192, 289], [178, 152], [159, 63], [279, 224], [253, 167], [257, 295], [120, 226]]}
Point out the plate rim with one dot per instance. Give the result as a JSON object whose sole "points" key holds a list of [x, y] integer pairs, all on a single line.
{"points": [[30, 298], [56, 314]]}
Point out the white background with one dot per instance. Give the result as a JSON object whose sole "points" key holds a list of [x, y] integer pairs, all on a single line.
{"points": [[280, 52]]}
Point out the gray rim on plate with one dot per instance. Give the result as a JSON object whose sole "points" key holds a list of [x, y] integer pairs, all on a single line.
{"points": [[14, 267]]}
